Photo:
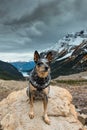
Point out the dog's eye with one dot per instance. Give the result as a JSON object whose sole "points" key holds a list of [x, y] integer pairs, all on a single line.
{"points": [[39, 64]]}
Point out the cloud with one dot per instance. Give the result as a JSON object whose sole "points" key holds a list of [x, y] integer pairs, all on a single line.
{"points": [[10, 57], [40, 12], [31, 25]]}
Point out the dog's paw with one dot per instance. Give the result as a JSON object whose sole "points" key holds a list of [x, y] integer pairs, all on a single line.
{"points": [[31, 115], [46, 120]]}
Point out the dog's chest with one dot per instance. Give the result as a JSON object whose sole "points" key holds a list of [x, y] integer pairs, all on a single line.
{"points": [[38, 80], [38, 94], [39, 83]]}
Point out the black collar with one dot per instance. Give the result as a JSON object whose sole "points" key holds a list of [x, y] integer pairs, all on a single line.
{"points": [[39, 83]]}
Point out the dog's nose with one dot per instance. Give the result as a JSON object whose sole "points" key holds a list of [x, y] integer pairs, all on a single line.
{"points": [[46, 68]]}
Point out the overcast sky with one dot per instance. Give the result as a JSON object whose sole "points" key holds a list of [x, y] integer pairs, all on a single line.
{"points": [[29, 25]]}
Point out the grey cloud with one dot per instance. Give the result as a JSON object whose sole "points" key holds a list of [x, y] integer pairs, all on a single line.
{"points": [[38, 24], [40, 13]]}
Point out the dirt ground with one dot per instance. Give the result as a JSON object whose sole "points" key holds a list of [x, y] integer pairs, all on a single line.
{"points": [[76, 84], [79, 94], [8, 86]]}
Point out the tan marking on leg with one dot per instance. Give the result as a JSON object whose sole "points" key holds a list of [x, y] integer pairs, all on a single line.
{"points": [[45, 102], [46, 91], [31, 113]]}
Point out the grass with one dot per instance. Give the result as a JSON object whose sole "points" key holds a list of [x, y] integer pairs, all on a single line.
{"points": [[71, 82]]}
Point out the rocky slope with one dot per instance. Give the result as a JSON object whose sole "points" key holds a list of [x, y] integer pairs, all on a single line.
{"points": [[9, 72], [15, 108], [23, 66], [71, 55]]}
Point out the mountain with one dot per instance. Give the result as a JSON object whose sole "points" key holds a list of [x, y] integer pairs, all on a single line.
{"points": [[70, 40], [24, 66], [9, 72], [71, 54]]}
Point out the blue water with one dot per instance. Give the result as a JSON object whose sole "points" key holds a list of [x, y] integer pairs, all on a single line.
{"points": [[25, 74]]}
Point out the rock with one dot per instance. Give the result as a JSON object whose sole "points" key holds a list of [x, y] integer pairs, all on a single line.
{"points": [[82, 118], [84, 110], [15, 108], [85, 126]]}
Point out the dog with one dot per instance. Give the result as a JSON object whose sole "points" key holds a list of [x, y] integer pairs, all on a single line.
{"points": [[39, 82]]}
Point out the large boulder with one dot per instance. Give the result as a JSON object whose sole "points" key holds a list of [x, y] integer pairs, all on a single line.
{"points": [[15, 108]]}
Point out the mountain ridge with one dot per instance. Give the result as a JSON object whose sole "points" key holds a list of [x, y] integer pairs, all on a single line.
{"points": [[72, 57], [23, 66], [69, 54], [9, 72]]}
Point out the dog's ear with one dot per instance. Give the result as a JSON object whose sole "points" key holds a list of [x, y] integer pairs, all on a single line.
{"points": [[36, 56], [49, 56]]}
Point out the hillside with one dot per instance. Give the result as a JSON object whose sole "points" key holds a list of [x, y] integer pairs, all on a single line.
{"points": [[9, 72], [71, 55], [8, 86], [23, 66]]}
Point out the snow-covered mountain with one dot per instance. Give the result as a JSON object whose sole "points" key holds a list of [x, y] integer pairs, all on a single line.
{"points": [[71, 54], [67, 44], [24, 67]]}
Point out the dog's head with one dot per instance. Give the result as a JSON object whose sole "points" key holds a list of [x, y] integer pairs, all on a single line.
{"points": [[42, 64]]}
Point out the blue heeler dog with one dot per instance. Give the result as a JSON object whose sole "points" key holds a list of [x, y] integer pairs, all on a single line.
{"points": [[39, 82]]}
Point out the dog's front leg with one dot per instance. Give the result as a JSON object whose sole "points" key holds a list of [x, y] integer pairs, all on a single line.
{"points": [[31, 113], [45, 102]]}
